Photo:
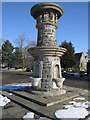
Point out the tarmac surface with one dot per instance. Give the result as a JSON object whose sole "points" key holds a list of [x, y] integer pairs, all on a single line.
{"points": [[9, 77]]}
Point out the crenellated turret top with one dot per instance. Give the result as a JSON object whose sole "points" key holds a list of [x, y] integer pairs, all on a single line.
{"points": [[46, 15], [40, 8]]}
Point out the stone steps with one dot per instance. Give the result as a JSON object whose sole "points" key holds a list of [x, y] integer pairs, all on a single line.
{"points": [[36, 108], [45, 101], [33, 98], [45, 107]]}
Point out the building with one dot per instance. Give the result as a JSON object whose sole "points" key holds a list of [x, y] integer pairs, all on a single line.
{"points": [[88, 68], [81, 62]]}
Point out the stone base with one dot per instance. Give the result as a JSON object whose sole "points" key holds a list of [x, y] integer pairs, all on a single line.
{"points": [[50, 93], [40, 105]]}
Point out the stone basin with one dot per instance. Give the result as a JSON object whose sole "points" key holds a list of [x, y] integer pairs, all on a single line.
{"points": [[36, 82], [59, 82]]}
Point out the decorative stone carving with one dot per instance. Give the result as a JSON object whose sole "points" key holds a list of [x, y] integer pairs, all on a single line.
{"points": [[46, 17], [39, 19], [51, 16]]}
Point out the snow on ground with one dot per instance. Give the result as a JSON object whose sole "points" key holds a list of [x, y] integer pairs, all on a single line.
{"points": [[78, 104], [67, 106], [20, 84], [15, 86], [12, 69], [72, 102], [74, 109], [86, 104], [10, 93], [79, 98], [28, 115], [3, 100], [72, 112]]}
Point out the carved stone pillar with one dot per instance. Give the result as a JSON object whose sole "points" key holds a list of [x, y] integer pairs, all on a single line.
{"points": [[47, 54]]}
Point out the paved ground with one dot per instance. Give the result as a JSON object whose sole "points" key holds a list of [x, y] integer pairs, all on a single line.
{"points": [[9, 77], [13, 110], [29, 101], [76, 81]]}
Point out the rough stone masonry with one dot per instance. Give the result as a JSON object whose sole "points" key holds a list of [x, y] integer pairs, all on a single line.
{"points": [[47, 68]]}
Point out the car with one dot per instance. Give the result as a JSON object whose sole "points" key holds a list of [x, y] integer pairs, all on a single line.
{"points": [[12, 68], [28, 70], [82, 73]]}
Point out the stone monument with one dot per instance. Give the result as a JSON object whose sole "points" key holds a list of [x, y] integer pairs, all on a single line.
{"points": [[47, 78]]}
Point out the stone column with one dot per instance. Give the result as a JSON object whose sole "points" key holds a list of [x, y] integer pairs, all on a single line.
{"points": [[47, 68], [46, 29]]}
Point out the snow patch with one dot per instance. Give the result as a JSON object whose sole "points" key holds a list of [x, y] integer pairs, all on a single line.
{"points": [[77, 104], [72, 112], [86, 104], [3, 101], [79, 98], [74, 109], [67, 106], [28, 115], [72, 102], [10, 93], [20, 84], [80, 104]]}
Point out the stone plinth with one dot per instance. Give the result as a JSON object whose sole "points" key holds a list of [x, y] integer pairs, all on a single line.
{"points": [[47, 68]]}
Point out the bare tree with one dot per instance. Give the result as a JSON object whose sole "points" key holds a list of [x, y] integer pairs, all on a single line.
{"points": [[30, 44], [28, 58], [23, 43]]}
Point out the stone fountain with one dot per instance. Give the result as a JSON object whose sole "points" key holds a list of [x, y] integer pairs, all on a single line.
{"points": [[45, 96], [47, 77]]}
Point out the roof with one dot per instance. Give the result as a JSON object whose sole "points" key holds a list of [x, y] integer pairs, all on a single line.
{"points": [[78, 55]]}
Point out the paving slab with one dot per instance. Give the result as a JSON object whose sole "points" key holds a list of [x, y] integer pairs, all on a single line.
{"points": [[41, 110], [30, 102], [13, 110], [45, 101]]}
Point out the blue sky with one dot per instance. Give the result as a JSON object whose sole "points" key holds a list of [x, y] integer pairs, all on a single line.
{"points": [[72, 26]]}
